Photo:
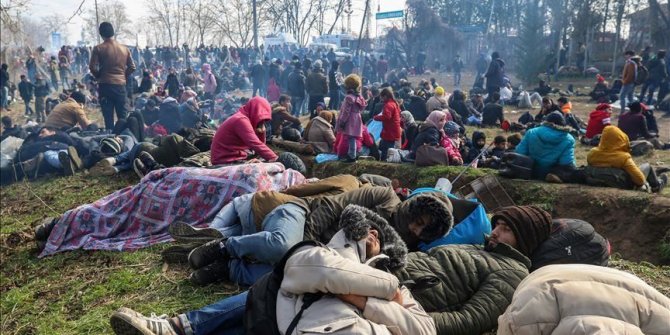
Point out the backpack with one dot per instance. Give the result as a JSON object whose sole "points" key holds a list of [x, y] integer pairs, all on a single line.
{"points": [[607, 177], [572, 241], [260, 315], [642, 75]]}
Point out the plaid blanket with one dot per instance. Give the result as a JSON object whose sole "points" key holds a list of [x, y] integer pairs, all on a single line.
{"points": [[138, 216]]}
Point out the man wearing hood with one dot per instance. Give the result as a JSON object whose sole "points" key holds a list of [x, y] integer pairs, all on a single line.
{"points": [[495, 74], [359, 297], [613, 151], [550, 145], [111, 63], [317, 88], [466, 287], [242, 132]]}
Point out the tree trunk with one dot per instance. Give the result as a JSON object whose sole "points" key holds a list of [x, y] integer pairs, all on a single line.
{"points": [[619, 18]]}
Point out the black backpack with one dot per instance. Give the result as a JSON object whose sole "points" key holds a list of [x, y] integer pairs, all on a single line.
{"points": [[572, 241], [642, 75], [608, 177], [260, 315]]}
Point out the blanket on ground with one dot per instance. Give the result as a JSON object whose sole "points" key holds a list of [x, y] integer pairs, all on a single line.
{"points": [[138, 216]]}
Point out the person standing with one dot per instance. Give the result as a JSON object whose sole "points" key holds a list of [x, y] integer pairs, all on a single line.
{"points": [[296, 88], [457, 66], [53, 72], [334, 86], [350, 122], [64, 68], [41, 92], [110, 64], [4, 87], [317, 88], [390, 119], [495, 74], [628, 80], [26, 90], [658, 73]]}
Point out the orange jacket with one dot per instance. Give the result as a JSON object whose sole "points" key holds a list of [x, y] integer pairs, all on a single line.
{"points": [[629, 72]]}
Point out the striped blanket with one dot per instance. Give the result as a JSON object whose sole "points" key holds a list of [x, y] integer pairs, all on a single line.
{"points": [[138, 216]]}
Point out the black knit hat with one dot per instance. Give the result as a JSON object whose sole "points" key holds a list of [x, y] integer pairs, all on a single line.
{"points": [[531, 225], [106, 30], [78, 97], [555, 118]]}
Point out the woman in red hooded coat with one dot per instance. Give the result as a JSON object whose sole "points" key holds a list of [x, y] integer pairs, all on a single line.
{"points": [[598, 120], [242, 132]]}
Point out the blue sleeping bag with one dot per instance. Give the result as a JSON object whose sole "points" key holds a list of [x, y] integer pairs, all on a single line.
{"points": [[469, 230]]}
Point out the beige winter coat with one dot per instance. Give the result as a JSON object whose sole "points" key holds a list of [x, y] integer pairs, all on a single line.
{"points": [[320, 135], [576, 299], [341, 269], [437, 103]]}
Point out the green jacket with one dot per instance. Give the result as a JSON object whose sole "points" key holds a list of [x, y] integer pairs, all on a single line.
{"points": [[464, 287]]}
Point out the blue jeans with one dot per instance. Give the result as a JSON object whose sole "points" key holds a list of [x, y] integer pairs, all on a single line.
{"points": [[4, 97], [296, 103], [626, 93], [222, 317], [651, 86], [29, 110], [51, 157], [124, 160], [112, 98], [351, 140], [282, 228]]}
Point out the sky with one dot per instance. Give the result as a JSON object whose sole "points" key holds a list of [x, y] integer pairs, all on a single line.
{"points": [[136, 10]]}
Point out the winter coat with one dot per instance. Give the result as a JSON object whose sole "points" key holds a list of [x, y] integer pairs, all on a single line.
{"points": [[41, 88], [320, 135], [549, 145], [436, 103], [409, 135], [657, 70], [634, 125], [492, 115], [452, 151], [598, 120], [629, 72], [342, 268], [350, 121], [578, 299], [417, 106], [317, 84], [495, 73], [390, 118], [325, 212], [67, 114], [296, 84], [172, 84], [257, 74], [237, 134], [613, 151], [468, 287], [428, 134], [169, 115], [26, 90]]}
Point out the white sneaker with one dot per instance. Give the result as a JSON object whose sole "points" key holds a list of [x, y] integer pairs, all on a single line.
{"points": [[126, 321]]}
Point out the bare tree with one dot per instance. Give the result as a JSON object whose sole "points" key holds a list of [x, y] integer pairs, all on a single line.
{"points": [[234, 22], [300, 18], [167, 14], [200, 15], [114, 12]]}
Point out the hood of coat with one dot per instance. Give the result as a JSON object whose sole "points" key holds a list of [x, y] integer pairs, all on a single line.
{"points": [[355, 222], [552, 133], [437, 206], [614, 140], [257, 110]]}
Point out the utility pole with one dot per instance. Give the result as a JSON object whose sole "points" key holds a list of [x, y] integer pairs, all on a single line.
{"points": [[255, 24], [97, 19]]}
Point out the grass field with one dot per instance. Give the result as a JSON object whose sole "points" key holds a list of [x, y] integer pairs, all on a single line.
{"points": [[76, 292]]}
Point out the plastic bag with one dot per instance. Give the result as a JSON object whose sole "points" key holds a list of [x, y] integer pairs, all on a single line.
{"points": [[8, 149]]}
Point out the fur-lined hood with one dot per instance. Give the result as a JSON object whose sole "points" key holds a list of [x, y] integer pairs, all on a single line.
{"points": [[436, 205], [566, 129], [355, 222]]}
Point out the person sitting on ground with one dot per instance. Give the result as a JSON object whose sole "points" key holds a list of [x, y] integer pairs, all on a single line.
{"points": [[543, 88], [577, 299], [512, 141], [69, 113], [550, 145], [547, 107], [477, 147], [430, 132], [457, 103], [372, 300], [613, 151], [452, 142], [635, 124], [437, 101], [600, 92], [390, 118], [409, 130], [242, 132], [365, 145], [281, 115], [417, 106], [466, 287], [566, 107], [598, 120], [8, 129], [350, 122], [319, 132], [492, 114]]}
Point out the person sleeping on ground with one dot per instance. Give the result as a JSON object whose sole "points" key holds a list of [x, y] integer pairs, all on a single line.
{"points": [[345, 282]]}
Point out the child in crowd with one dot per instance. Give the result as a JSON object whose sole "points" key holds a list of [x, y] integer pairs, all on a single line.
{"points": [[512, 141]]}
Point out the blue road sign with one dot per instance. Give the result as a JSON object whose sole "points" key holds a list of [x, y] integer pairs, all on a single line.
{"points": [[389, 15]]}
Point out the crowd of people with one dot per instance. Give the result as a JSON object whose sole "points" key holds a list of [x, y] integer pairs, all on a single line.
{"points": [[345, 254]]}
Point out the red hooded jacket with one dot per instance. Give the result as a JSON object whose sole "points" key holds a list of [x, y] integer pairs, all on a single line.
{"points": [[237, 134], [598, 120], [390, 118]]}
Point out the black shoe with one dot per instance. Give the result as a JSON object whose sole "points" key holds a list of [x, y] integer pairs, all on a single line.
{"points": [[70, 161], [139, 168], [185, 233], [211, 273], [178, 254], [662, 183], [43, 231], [207, 253], [149, 161]]}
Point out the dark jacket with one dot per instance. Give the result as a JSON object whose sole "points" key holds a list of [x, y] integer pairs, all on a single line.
{"points": [[26, 90], [492, 115], [317, 84], [41, 88], [323, 220], [296, 83], [257, 74], [495, 73], [466, 287], [409, 136], [417, 106], [657, 70], [172, 84], [634, 125], [428, 134]]}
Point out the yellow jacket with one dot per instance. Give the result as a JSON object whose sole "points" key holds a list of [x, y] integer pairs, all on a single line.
{"points": [[614, 152]]}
